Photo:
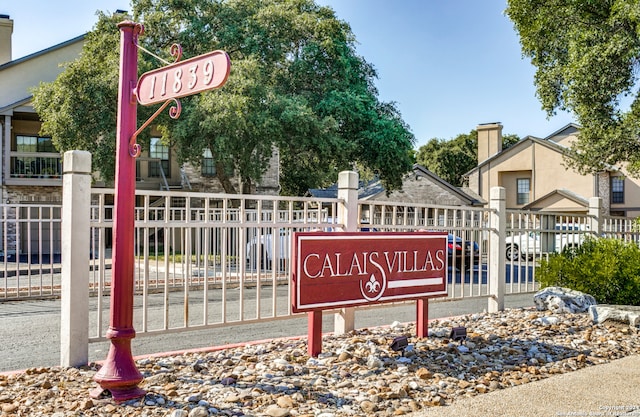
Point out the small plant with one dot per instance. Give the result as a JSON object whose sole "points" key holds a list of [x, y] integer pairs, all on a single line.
{"points": [[607, 269]]}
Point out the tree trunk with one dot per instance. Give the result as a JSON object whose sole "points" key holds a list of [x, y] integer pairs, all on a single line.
{"points": [[221, 174], [246, 186]]}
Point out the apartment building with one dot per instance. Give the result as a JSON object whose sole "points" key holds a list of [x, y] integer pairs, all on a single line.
{"points": [[536, 177]]}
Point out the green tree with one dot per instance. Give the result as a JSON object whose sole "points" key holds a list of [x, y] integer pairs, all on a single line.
{"points": [[586, 57], [296, 85], [451, 159]]}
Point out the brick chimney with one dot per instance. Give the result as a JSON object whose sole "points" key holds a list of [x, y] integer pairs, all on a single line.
{"points": [[489, 140], [6, 30]]}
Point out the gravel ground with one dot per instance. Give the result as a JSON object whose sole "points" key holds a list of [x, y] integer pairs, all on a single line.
{"points": [[356, 375]]}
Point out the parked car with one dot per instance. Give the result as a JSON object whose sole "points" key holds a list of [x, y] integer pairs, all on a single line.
{"points": [[462, 253], [262, 243], [527, 245]]}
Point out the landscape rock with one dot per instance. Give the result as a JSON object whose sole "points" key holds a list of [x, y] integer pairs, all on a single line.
{"points": [[563, 300], [621, 313], [278, 379]]}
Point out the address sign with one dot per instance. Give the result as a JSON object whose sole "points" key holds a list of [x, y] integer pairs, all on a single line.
{"points": [[184, 78]]}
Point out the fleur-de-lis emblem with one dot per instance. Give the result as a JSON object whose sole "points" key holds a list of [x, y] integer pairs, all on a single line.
{"points": [[373, 285]]}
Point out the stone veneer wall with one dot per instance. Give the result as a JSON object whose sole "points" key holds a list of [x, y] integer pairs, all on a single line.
{"points": [[22, 195], [31, 194], [473, 182], [604, 190], [268, 185]]}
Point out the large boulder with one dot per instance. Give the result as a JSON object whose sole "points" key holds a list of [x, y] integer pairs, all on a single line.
{"points": [[563, 300], [624, 314]]}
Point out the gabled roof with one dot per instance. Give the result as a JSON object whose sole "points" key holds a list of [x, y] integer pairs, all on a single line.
{"points": [[545, 142], [373, 188], [515, 147], [571, 126], [18, 103], [42, 52], [471, 199], [365, 190], [563, 193]]}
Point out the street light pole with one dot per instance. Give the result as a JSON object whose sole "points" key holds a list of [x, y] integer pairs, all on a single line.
{"points": [[119, 373]]}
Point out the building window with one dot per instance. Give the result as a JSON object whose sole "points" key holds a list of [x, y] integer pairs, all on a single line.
{"points": [[34, 157], [617, 189], [523, 185], [160, 152], [208, 166]]}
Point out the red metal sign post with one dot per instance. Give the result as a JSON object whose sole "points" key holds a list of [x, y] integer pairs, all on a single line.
{"points": [[119, 373]]}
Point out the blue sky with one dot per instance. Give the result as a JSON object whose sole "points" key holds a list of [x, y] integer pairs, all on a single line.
{"points": [[449, 65]]}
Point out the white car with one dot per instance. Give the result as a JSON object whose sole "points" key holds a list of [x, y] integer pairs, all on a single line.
{"points": [[261, 246], [528, 245], [260, 241]]}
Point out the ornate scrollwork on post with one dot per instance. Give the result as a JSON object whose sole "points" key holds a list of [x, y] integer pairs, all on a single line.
{"points": [[174, 111]]}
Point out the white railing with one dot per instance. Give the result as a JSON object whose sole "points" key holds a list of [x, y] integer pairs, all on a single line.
{"points": [[468, 230], [621, 228], [205, 260], [210, 260], [30, 250]]}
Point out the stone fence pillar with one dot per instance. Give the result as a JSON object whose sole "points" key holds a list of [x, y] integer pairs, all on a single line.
{"points": [[344, 320], [76, 206], [496, 273]]}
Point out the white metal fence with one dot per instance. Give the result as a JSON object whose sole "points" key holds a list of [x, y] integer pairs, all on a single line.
{"points": [[210, 260], [205, 260]]}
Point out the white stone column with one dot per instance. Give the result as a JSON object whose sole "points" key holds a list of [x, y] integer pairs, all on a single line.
{"points": [[344, 320], [76, 205], [496, 268]]}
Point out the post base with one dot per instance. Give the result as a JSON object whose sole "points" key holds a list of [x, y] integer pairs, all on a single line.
{"points": [[119, 373], [119, 395]]}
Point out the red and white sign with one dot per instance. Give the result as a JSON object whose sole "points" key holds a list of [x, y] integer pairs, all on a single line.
{"points": [[336, 269], [184, 78]]}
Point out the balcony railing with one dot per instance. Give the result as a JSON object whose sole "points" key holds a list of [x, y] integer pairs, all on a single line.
{"points": [[35, 165]]}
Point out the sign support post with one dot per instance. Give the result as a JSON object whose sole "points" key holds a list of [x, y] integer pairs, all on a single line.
{"points": [[119, 373], [422, 317], [314, 333]]}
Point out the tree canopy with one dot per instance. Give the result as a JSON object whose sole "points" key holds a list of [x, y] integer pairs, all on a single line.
{"points": [[451, 159], [296, 84], [586, 55]]}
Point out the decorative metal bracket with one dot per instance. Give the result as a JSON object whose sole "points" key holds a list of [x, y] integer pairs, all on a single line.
{"points": [[174, 111]]}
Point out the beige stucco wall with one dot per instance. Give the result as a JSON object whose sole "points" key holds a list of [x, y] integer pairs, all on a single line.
{"points": [[544, 166], [489, 140], [631, 203], [17, 79], [6, 30]]}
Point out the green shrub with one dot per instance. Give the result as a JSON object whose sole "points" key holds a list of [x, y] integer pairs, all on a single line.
{"points": [[608, 269]]}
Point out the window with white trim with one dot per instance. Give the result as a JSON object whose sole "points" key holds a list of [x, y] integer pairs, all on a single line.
{"points": [[523, 186]]}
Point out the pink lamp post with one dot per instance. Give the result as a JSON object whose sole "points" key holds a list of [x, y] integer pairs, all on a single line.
{"points": [[119, 373]]}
